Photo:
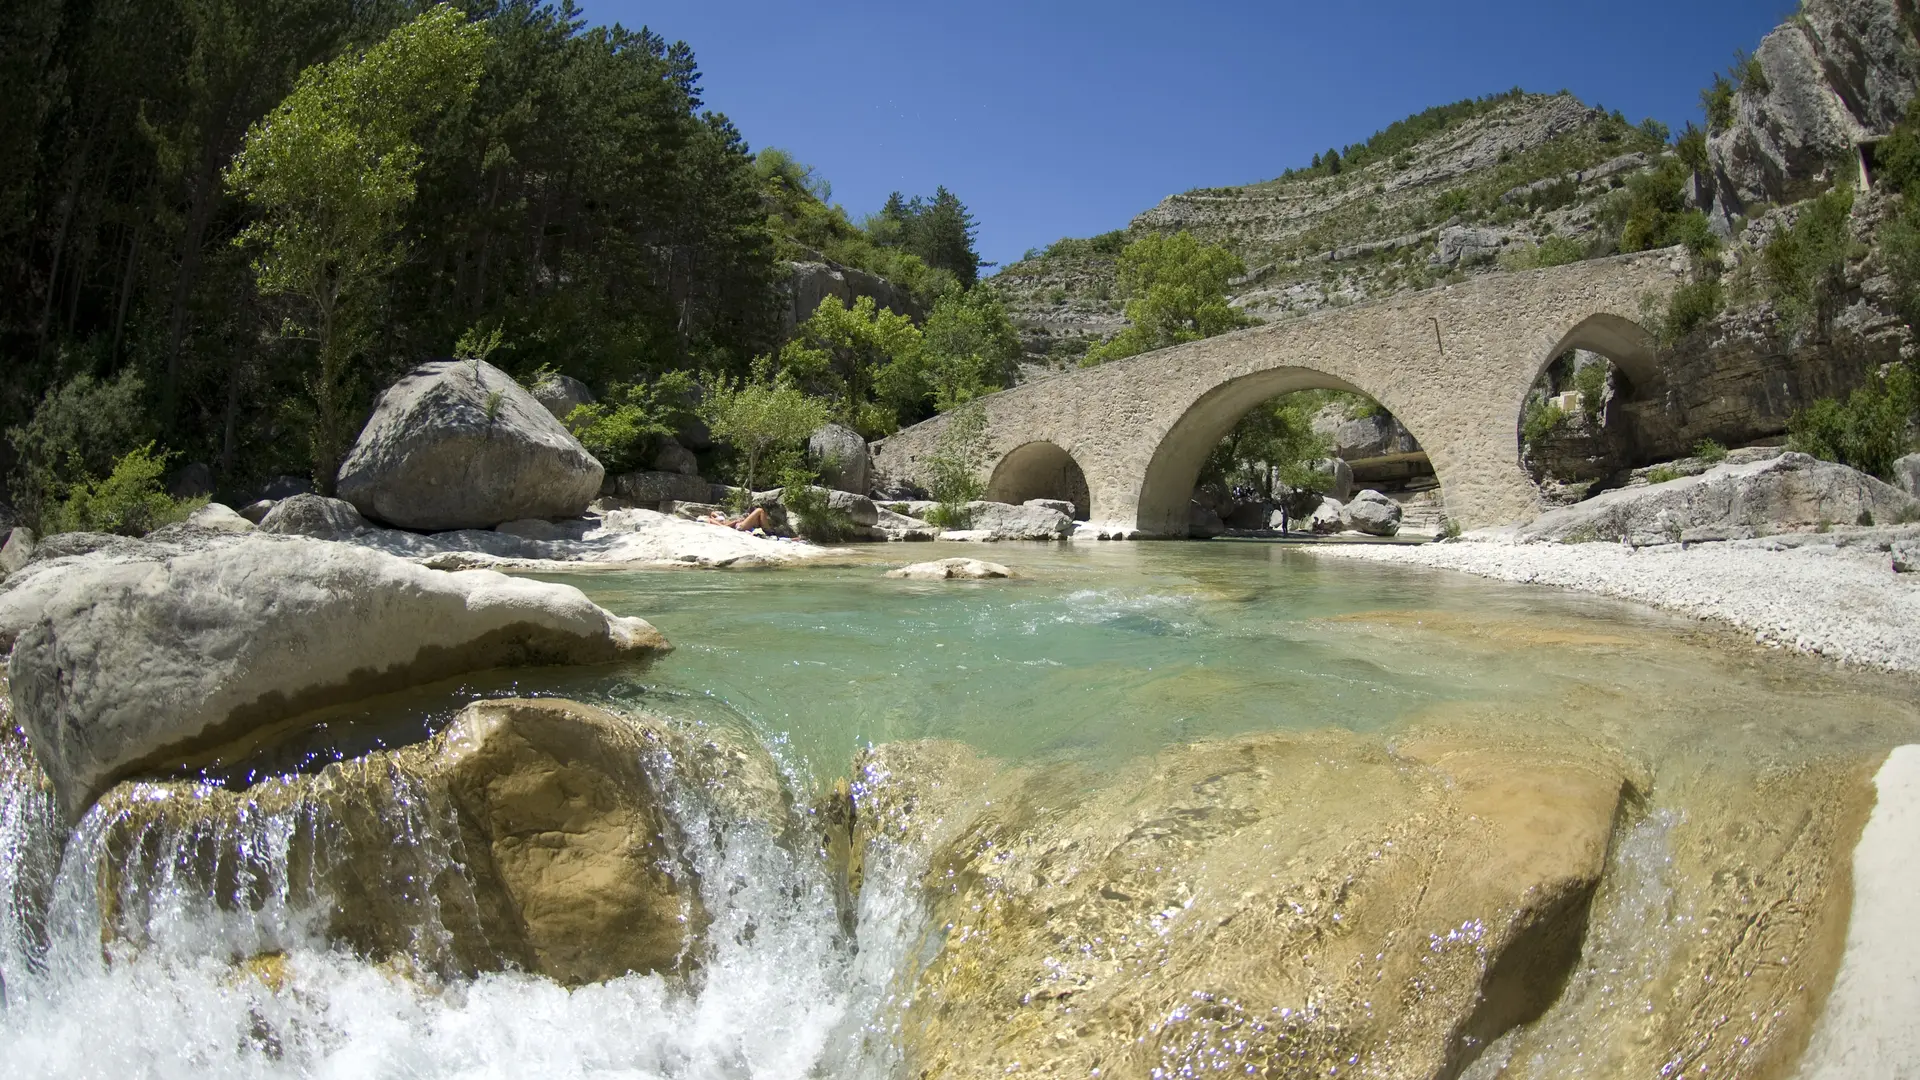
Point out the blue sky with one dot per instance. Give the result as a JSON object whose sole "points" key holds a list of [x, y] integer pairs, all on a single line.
{"points": [[1066, 119]]}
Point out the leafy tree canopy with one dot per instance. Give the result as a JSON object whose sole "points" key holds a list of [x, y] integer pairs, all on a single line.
{"points": [[1177, 292]]}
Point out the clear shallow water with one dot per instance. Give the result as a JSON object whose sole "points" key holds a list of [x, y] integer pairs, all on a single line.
{"points": [[1098, 654]]}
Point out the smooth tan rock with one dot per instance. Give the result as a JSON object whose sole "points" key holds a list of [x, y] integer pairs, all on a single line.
{"points": [[132, 658], [528, 833], [949, 569], [219, 518], [1269, 905]]}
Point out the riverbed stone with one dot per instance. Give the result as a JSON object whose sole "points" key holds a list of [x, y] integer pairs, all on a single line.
{"points": [[460, 445], [316, 516], [951, 570], [137, 658], [1372, 513], [650, 489], [1301, 904], [1004, 521], [1058, 505]]}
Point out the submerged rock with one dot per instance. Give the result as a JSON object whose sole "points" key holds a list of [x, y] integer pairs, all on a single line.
{"points": [[457, 444], [949, 569], [529, 833], [1272, 905], [136, 658]]}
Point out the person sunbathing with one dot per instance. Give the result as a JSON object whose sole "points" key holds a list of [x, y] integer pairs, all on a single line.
{"points": [[756, 519]]}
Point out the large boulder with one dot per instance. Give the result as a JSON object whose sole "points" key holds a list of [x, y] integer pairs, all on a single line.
{"points": [[17, 550], [841, 455], [671, 457], [1327, 518], [457, 444], [1202, 522], [316, 516], [194, 480], [1779, 494], [561, 394], [1004, 521], [1372, 436], [284, 487], [133, 659], [572, 863], [1250, 516], [1282, 905], [1372, 513], [1906, 474]]}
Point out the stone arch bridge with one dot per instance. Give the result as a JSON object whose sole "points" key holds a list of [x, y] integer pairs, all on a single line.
{"points": [[1454, 364]]}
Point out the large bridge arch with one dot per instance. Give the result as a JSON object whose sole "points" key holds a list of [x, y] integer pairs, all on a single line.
{"points": [[1041, 470], [1454, 364]]}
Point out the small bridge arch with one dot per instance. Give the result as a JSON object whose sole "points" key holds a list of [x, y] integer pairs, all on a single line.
{"points": [[1454, 364]]}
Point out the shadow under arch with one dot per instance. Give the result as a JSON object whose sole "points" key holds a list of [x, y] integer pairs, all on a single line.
{"points": [[1632, 349], [1041, 470], [1167, 490]]}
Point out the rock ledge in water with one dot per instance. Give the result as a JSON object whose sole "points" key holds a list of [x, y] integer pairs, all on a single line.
{"points": [[948, 569], [129, 658]]}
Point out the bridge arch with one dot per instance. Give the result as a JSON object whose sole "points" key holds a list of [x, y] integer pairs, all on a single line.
{"points": [[1167, 488], [1041, 470]]}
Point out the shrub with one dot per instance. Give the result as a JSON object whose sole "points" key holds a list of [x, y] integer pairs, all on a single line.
{"points": [[1542, 420], [1691, 306], [620, 429], [810, 509], [78, 432], [952, 471], [1660, 474], [1868, 431], [1804, 267], [761, 417], [1591, 382], [129, 501], [1559, 251], [1709, 451], [1717, 102]]}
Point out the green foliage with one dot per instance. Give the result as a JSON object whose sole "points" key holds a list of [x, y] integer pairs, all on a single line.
{"points": [[1403, 135], [620, 429], [807, 227], [1691, 306], [1804, 267], [1541, 421], [810, 509], [952, 471], [1272, 449], [1652, 212], [1691, 147], [1591, 382], [329, 174], [939, 231], [1449, 529], [1868, 431], [78, 432], [1660, 474], [968, 347], [1710, 451], [866, 359], [760, 416], [1177, 292], [1106, 245], [1557, 251], [1897, 158], [1717, 102], [129, 501]]}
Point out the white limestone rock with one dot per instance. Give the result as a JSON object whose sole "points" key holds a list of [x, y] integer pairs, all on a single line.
{"points": [[842, 457], [650, 489], [1327, 518], [1008, 522], [316, 516], [134, 658], [460, 445], [219, 518], [952, 569], [17, 550], [1372, 513], [1906, 474]]}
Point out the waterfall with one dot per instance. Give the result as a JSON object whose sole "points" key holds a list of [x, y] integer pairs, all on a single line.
{"points": [[203, 950]]}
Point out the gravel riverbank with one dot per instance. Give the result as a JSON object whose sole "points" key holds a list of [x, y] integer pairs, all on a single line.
{"points": [[1829, 598]]}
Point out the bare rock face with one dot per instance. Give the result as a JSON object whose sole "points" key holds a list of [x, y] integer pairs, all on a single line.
{"points": [[650, 489], [809, 283], [459, 445], [561, 394], [1269, 905], [540, 839], [1842, 70], [1906, 474], [137, 657], [220, 517], [1778, 494]]}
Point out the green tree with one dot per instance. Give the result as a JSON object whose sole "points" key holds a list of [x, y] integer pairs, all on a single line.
{"points": [[943, 236], [1805, 266], [1177, 292], [1272, 449], [329, 173], [129, 501], [760, 416], [623, 428], [1867, 431], [969, 347], [865, 358], [952, 471]]}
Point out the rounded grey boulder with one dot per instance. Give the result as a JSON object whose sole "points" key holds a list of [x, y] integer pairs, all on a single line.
{"points": [[841, 454], [561, 394], [457, 444], [1373, 513], [314, 515]]}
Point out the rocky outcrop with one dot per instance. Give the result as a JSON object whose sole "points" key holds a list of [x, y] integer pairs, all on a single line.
{"points": [[1003, 521], [1464, 245], [650, 489], [1372, 513], [459, 445], [557, 849], [1838, 72], [219, 517], [561, 394], [1270, 905], [316, 516], [134, 659], [810, 283], [671, 457], [1906, 474], [17, 550], [950, 570], [840, 453], [1731, 501]]}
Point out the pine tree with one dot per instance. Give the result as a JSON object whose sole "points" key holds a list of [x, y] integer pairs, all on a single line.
{"points": [[943, 237]]}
